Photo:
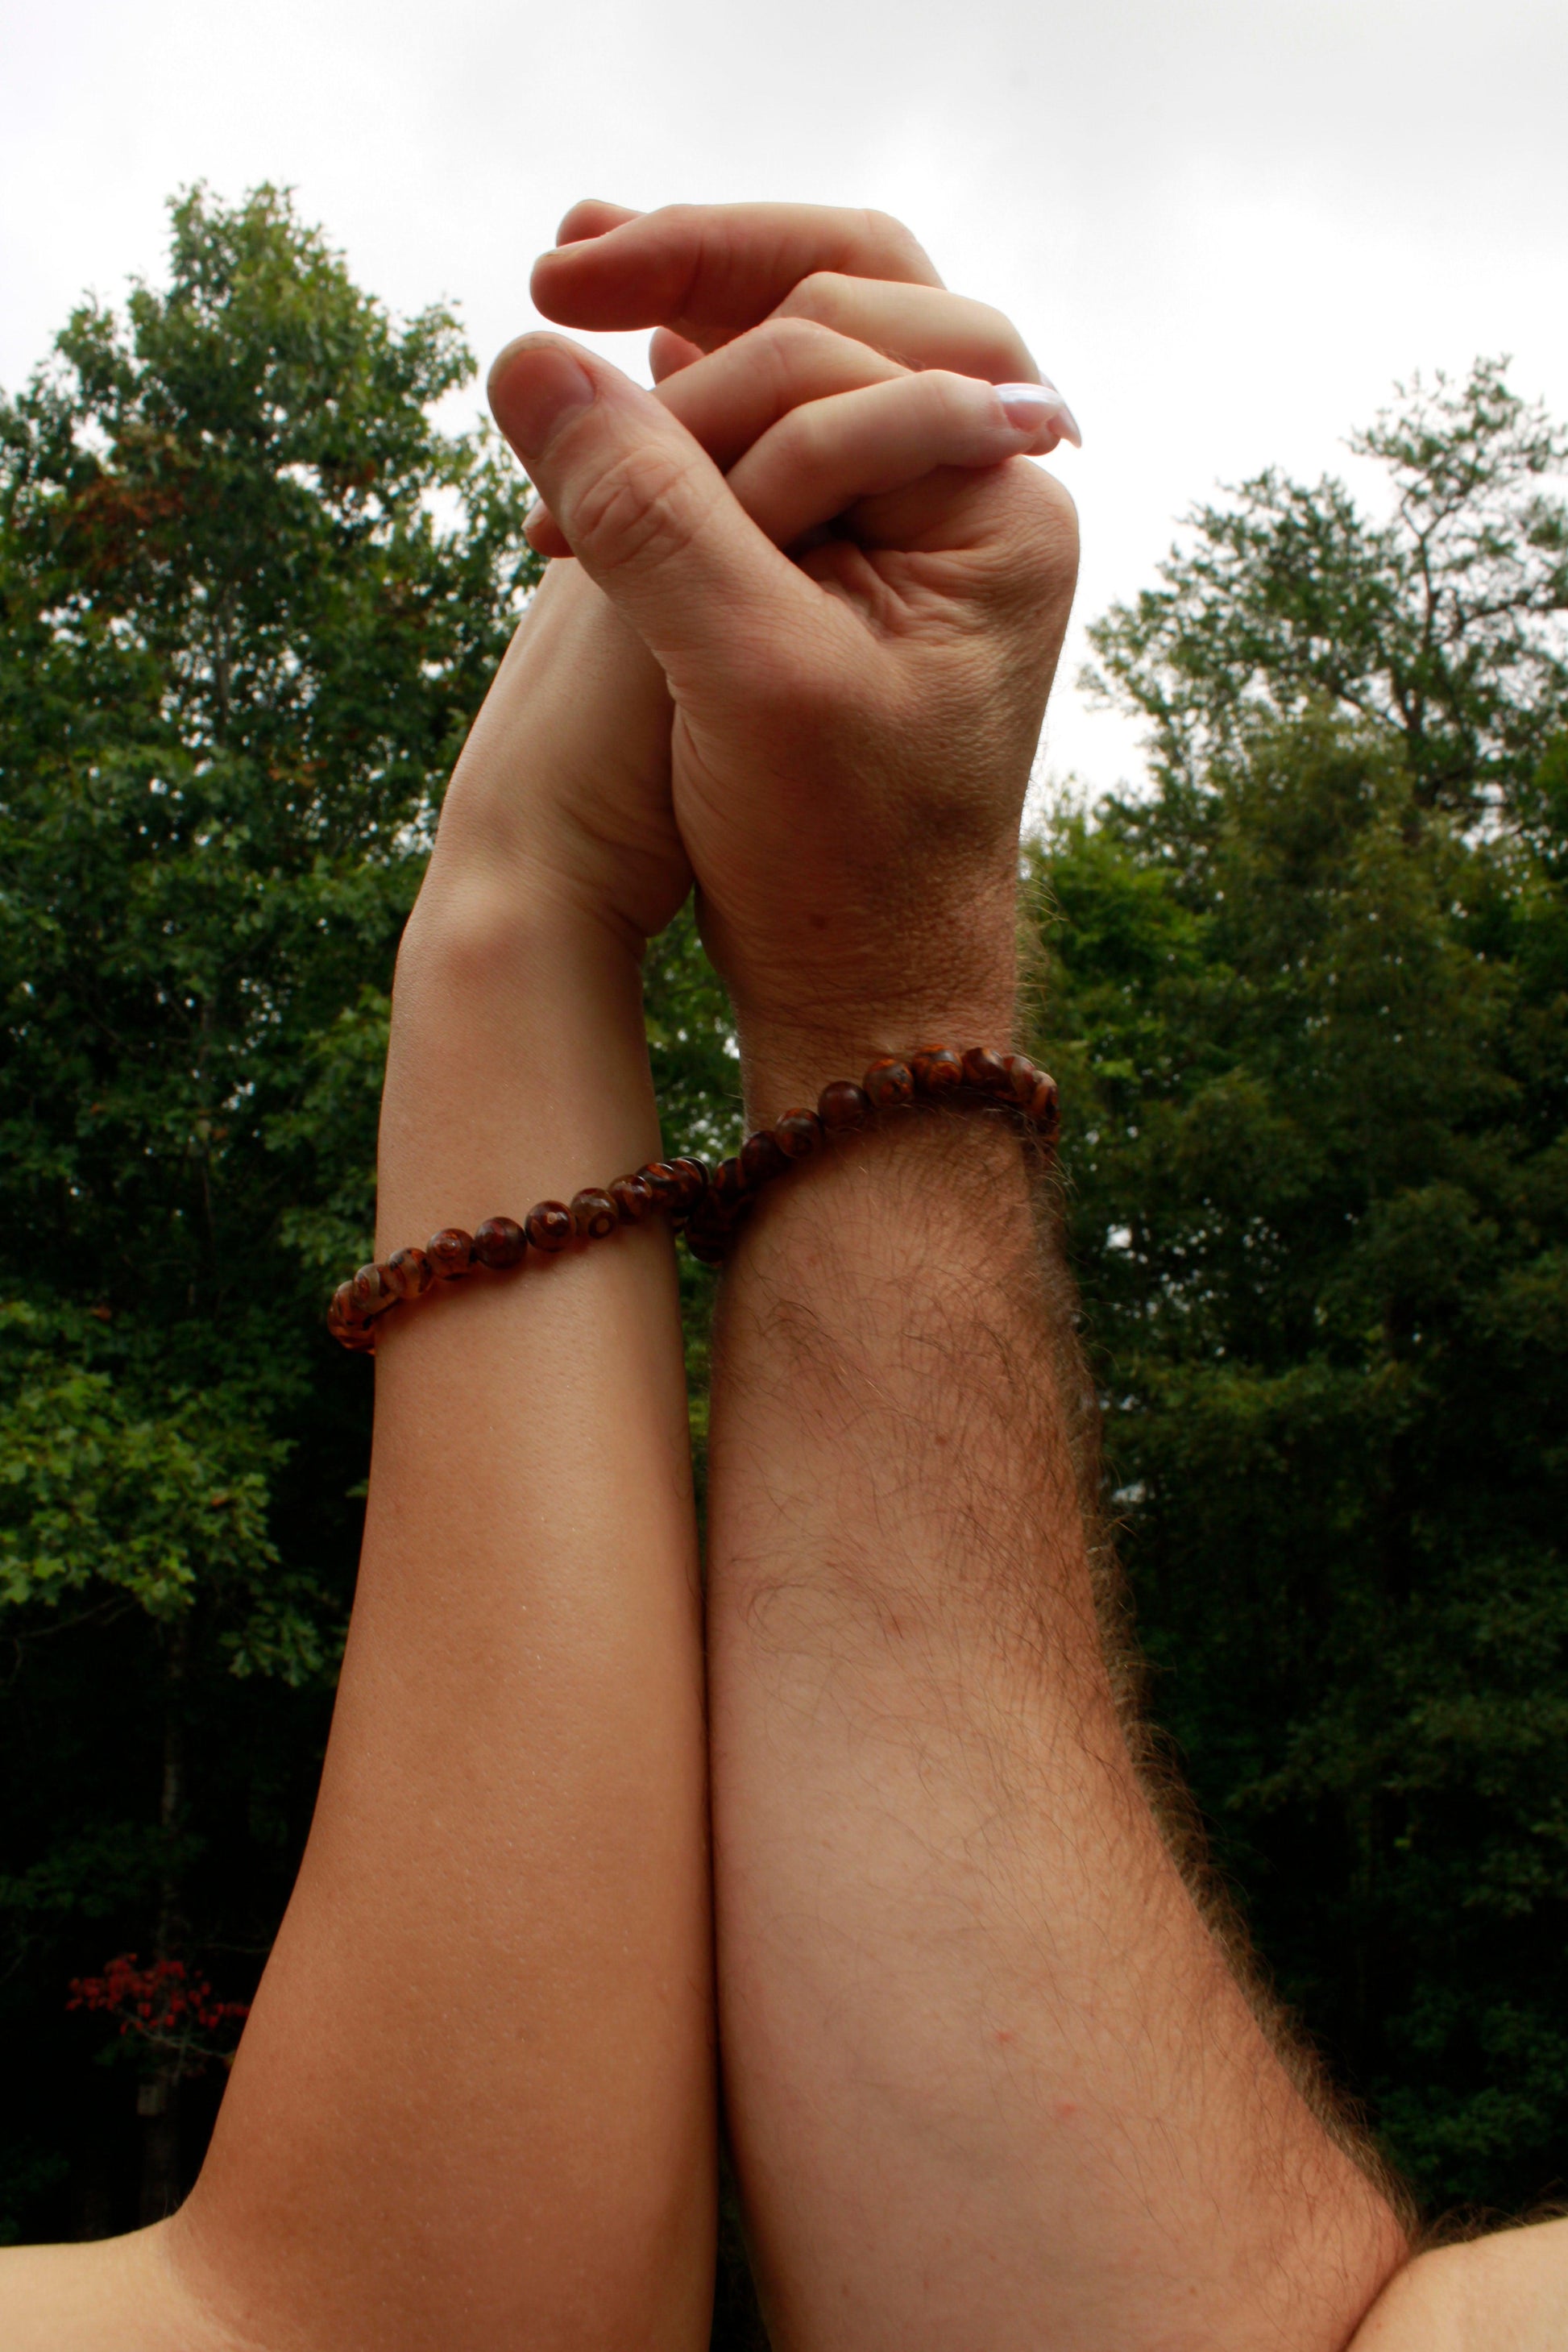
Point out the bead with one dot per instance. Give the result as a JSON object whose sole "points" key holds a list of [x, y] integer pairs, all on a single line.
{"points": [[715, 1221], [499, 1243], [549, 1224], [936, 1069], [450, 1252], [709, 1247], [727, 1189], [633, 1197], [1022, 1074], [358, 1338], [986, 1070], [798, 1134], [370, 1294], [762, 1160], [408, 1273], [888, 1083], [663, 1183], [593, 1214], [693, 1175], [842, 1106], [346, 1307], [1044, 1105]]}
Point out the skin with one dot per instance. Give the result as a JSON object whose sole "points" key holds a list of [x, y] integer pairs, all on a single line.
{"points": [[990, 2080]]}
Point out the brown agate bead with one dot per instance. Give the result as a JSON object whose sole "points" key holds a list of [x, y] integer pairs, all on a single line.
{"points": [[798, 1133], [762, 1158], [728, 1188], [358, 1337], [370, 1293], [450, 1252], [499, 1243], [663, 1182], [843, 1105], [593, 1214], [936, 1069], [693, 1175], [987, 1071], [1022, 1076], [709, 1243], [1044, 1105], [346, 1307], [549, 1224], [633, 1197], [408, 1273], [888, 1083]]}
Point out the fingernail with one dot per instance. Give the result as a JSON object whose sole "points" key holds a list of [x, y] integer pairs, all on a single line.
{"points": [[1031, 407], [535, 386]]}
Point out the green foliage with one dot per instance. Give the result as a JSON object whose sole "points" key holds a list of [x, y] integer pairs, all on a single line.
{"points": [[1312, 1025], [1439, 628]]}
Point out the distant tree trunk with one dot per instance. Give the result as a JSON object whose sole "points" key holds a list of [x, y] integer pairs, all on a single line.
{"points": [[157, 2095], [163, 2185]]}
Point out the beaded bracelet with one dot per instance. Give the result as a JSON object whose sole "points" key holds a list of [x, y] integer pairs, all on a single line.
{"points": [[708, 1206]]}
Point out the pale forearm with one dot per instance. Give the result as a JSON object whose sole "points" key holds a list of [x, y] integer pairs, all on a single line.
{"points": [[990, 2076], [473, 2101]]}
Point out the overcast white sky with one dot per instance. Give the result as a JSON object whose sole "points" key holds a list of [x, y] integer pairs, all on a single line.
{"points": [[1225, 226]]}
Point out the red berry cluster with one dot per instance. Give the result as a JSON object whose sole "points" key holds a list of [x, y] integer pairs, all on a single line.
{"points": [[164, 2003], [708, 1205]]}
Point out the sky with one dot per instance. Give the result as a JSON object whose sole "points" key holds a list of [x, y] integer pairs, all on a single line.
{"points": [[1225, 227]]}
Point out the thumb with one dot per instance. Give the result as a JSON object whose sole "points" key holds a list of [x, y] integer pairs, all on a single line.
{"points": [[642, 505]]}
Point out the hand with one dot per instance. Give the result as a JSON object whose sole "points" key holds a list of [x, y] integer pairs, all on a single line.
{"points": [[809, 416]]}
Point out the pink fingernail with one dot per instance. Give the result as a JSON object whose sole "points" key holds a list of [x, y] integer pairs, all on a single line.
{"points": [[1033, 406]]}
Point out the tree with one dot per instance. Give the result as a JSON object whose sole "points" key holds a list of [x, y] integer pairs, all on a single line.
{"points": [[1440, 628], [1309, 1000]]}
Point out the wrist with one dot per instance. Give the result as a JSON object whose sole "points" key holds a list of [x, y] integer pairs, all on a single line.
{"points": [[787, 1058], [814, 1014], [562, 784], [506, 925], [517, 1065]]}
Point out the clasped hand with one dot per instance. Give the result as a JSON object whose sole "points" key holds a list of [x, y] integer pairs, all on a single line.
{"points": [[804, 652]]}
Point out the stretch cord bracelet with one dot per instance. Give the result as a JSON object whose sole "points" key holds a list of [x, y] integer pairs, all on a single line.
{"points": [[708, 1206]]}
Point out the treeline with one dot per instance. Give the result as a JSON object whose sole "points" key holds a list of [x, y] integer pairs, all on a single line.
{"points": [[1307, 991]]}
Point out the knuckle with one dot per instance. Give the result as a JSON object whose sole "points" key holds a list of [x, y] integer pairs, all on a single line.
{"points": [[890, 232], [795, 339], [817, 295], [633, 511], [1043, 533]]}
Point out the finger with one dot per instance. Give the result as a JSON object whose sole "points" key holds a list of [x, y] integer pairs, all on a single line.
{"points": [[668, 353], [731, 397], [711, 270], [922, 326], [643, 507], [592, 216], [822, 460], [728, 399]]}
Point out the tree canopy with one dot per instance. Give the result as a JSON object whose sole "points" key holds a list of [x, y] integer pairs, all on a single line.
{"points": [[1308, 995]]}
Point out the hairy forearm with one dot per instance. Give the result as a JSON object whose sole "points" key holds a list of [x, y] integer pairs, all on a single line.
{"points": [[990, 2078], [473, 2103]]}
